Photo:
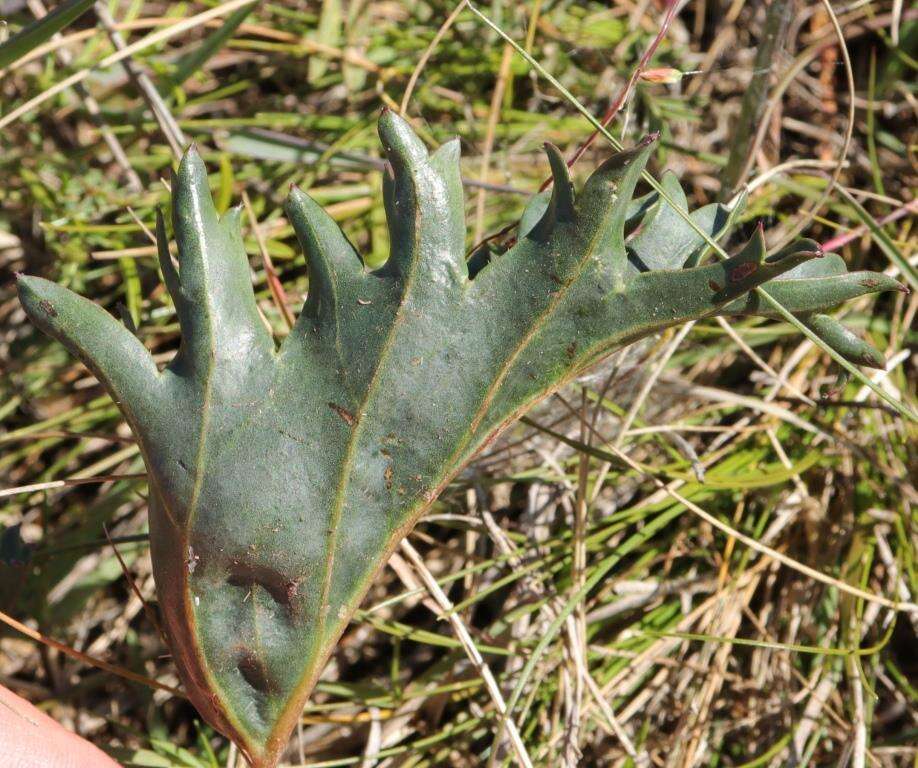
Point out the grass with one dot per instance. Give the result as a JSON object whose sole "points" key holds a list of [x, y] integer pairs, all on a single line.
{"points": [[569, 564]]}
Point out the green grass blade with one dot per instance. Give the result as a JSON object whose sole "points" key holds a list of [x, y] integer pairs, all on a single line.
{"points": [[198, 57], [883, 240], [41, 30]]}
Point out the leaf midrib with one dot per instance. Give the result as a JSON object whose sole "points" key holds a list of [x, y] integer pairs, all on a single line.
{"points": [[537, 326], [355, 433]]}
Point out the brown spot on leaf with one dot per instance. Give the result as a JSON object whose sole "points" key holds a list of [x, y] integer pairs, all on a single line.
{"points": [[47, 307], [869, 282], [344, 413], [255, 673], [290, 437], [572, 349], [388, 476], [714, 286], [251, 578], [742, 271]]}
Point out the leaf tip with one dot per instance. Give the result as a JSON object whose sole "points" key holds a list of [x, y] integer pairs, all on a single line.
{"points": [[192, 173], [401, 144], [295, 194], [562, 199], [35, 295], [191, 154]]}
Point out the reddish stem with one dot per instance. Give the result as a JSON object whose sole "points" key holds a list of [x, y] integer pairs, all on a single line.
{"points": [[619, 101], [840, 240]]}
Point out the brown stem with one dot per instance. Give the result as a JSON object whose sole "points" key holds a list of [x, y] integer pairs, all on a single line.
{"points": [[777, 21]]}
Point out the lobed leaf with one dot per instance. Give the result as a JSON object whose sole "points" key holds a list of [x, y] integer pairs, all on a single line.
{"points": [[282, 478]]}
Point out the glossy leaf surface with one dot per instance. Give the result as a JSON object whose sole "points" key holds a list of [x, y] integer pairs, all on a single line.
{"points": [[282, 478]]}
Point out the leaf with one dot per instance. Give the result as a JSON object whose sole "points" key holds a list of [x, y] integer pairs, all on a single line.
{"points": [[42, 30], [815, 286], [882, 239], [282, 479], [845, 342], [666, 240]]}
